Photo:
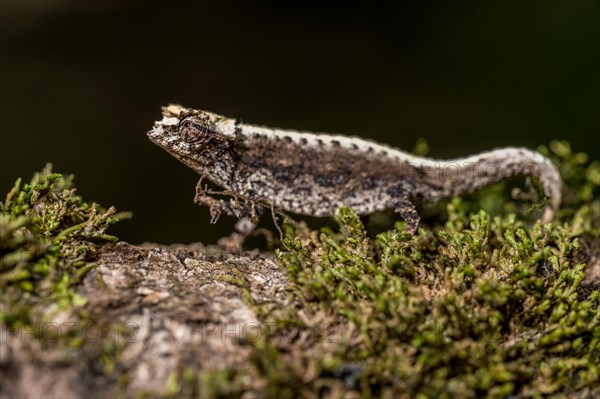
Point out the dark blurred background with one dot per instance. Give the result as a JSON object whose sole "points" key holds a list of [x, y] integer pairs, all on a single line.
{"points": [[81, 84]]}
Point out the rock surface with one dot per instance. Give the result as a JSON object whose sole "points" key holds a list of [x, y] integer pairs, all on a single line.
{"points": [[151, 312]]}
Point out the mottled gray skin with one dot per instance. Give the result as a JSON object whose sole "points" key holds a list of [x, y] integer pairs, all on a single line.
{"points": [[315, 174]]}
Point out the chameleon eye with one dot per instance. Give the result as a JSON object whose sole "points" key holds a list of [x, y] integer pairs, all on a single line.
{"points": [[193, 132]]}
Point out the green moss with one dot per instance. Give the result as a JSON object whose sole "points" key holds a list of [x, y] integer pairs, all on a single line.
{"points": [[47, 240], [478, 305], [235, 277], [205, 384]]}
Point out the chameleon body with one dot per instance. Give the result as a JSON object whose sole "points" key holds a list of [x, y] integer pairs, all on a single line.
{"points": [[315, 174]]}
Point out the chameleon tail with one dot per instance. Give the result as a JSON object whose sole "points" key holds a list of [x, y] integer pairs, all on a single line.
{"points": [[464, 175]]}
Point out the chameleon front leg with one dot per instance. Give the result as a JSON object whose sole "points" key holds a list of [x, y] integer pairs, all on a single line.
{"points": [[239, 206], [217, 207], [247, 212], [403, 205]]}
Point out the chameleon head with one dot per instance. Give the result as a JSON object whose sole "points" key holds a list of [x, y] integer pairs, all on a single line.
{"points": [[192, 136]]}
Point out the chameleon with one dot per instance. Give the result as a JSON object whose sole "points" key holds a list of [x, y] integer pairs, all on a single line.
{"points": [[315, 174]]}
